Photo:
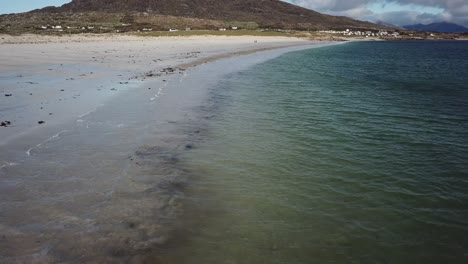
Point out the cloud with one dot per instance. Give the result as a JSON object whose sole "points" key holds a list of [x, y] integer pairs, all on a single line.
{"points": [[331, 5], [402, 18], [410, 11]]}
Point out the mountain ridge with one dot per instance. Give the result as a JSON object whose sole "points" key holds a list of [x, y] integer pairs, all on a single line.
{"points": [[441, 27], [267, 13], [386, 24]]}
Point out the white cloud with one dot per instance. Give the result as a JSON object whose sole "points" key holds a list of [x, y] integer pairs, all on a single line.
{"points": [[331, 5], [450, 10]]}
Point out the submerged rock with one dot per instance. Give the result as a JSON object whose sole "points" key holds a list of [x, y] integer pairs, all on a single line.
{"points": [[151, 243]]}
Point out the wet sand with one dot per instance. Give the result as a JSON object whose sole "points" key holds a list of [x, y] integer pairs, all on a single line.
{"points": [[58, 80], [98, 181]]}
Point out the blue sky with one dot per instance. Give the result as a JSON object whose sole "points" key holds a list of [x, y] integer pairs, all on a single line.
{"points": [[398, 12], [17, 6]]}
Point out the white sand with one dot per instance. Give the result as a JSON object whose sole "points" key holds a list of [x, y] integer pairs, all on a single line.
{"points": [[56, 79]]}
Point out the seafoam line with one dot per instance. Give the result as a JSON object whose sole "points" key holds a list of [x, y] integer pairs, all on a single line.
{"points": [[45, 141], [89, 112], [159, 93], [8, 164], [183, 77]]}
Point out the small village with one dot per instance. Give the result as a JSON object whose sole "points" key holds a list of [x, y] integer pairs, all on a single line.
{"points": [[117, 29], [122, 28], [349, 32]]}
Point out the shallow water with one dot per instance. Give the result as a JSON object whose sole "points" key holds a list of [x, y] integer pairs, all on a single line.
{"points": [[90, 190], [107, 186], [353, 153]]}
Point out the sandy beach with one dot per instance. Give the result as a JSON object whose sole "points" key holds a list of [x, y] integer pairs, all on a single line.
{"points": [[93, 128], [45, 73]]}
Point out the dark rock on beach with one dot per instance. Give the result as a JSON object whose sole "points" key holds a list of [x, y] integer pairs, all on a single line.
{"points": [[151, 74], [168, 70], [5, 123]]}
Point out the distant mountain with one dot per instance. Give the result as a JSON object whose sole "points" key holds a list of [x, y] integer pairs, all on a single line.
{"points": [[385, 24], [267, 13], [444, 27]]}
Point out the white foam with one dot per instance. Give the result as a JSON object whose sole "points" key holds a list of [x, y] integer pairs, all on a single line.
{"points": [[45, 141], [89, 112], [183, 77], [8, 164]]}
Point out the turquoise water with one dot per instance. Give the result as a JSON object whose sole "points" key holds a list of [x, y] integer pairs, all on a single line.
{"points": [[354, 153]]}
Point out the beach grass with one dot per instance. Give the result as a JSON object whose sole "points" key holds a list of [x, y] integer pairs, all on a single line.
{"points": [[260, 33]]}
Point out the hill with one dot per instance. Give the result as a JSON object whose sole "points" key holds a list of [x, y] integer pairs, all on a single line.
{"points": [[102, 16], [444, 27], [267, 13]]}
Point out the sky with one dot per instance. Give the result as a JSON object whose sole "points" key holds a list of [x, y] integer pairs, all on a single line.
{"points": [[397, 12], [18, 6]]}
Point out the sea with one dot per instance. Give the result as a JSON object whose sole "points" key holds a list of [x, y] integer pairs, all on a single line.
{"points": [[351, 153]]}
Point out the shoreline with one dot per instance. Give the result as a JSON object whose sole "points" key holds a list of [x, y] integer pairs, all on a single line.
{"points": [[117, 68], [102, 183], [31, 38], [23, 39]]}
